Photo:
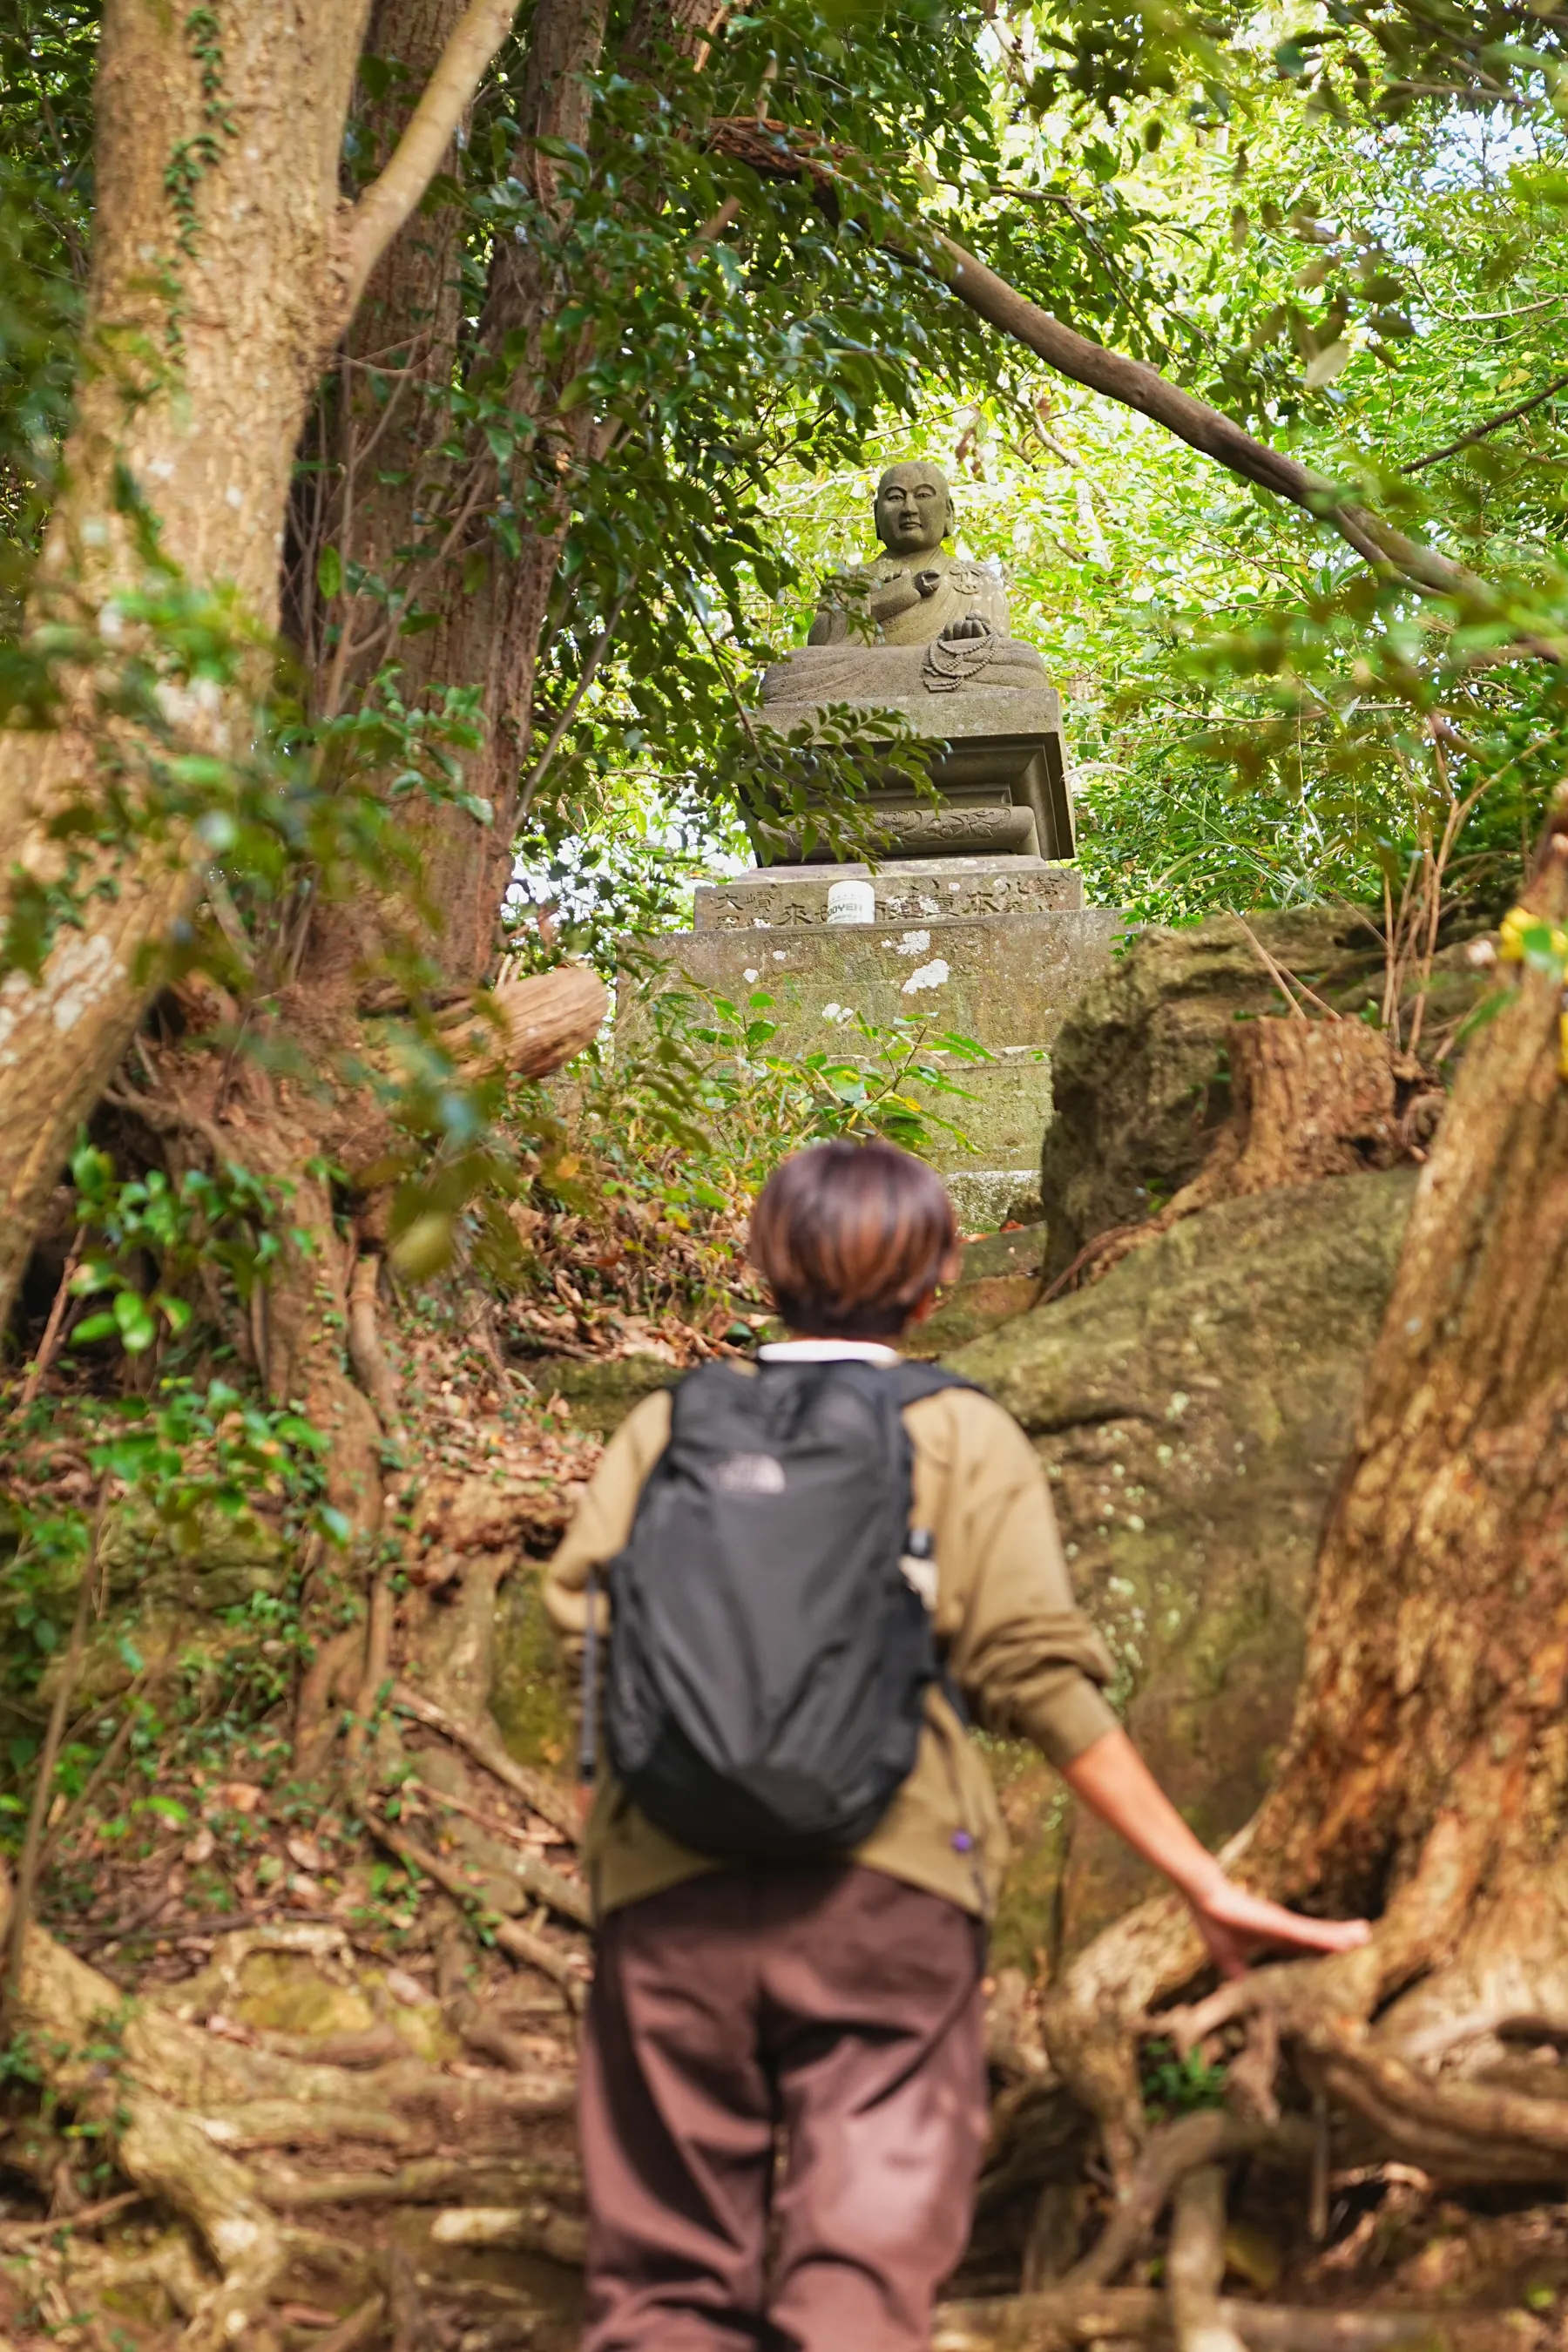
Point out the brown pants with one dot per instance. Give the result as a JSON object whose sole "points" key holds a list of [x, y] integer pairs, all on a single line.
{"points": [[835, 2002]]}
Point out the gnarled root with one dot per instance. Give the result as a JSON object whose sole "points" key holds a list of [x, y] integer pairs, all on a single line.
{"points": [[1039, 2323], [179, 2102]]}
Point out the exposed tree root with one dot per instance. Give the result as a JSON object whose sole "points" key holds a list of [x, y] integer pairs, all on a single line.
{"points": [[1038, 2322], [435, 2180], [520, 2229], [1196, 2142], [544, 1884], [518, 1943], [548, 1800], [368, 1357], [183, 2102], [1195, 2264]]}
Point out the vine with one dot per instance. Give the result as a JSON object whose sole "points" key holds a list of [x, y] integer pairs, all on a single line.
{"points": [[190, 160]]}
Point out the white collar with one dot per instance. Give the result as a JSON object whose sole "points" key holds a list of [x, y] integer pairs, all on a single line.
{"points": [[826, 1351]]}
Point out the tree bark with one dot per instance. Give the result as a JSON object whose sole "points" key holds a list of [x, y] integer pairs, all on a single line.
{"points": [[1426, 1779], [487, 609], [223, 266]]}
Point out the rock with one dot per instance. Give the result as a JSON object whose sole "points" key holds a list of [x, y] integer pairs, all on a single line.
{"points": [[601, 1390], [1192, 1410], [1138, 1075], [1001, 1279]]}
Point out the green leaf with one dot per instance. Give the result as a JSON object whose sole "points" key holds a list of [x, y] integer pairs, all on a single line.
{"points": [[329, 572], [93, 1328], [137, 1329]]}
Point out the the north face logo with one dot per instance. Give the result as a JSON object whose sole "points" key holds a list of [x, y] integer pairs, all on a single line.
{"points": [[749, 1473]]}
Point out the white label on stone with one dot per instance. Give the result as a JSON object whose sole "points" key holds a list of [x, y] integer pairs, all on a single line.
{"points": [[913, 943], [930, 975], [852, 902]]}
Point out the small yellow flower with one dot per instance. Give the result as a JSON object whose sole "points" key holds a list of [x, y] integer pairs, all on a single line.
{"points": [[1511, 939], [1516, 924]]}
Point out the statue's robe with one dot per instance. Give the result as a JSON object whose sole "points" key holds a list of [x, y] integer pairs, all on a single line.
{"points": [[909, 654]]}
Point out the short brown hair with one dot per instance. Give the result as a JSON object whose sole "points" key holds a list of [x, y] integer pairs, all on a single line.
{"points": [[851, 1237]]}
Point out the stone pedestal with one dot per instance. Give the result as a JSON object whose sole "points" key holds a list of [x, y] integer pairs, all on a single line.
{"points": [[990, 949], [996, 758]]}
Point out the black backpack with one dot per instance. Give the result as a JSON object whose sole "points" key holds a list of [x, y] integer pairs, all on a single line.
{"points": [[769, 1652]]}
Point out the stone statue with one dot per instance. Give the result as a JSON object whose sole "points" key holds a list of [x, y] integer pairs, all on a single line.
{"points": [[915, 620]]}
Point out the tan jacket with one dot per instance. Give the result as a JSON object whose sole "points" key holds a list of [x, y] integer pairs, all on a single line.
{"points": [[1026, 1659]]}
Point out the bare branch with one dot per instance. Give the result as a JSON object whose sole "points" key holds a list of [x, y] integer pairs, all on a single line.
{"points": [[773, 150], [1493, 424], [387, 204], [1137, 385]]}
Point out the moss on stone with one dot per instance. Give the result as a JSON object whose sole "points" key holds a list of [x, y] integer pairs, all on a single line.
{"points": [[533, 1695], [1192, 1411], [601, 1390]]}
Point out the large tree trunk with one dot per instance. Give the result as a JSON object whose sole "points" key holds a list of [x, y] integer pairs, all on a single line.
{"points": [[1424, 1779], [390, 485], [223, 267]]}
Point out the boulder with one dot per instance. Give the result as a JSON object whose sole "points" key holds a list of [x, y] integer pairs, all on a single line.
{"points": [[1140, 1072], [1192, 1410], [1000, 1278]]}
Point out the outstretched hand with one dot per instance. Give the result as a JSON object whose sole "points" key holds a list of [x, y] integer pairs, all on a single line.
{"points": [[1233, 1922], [1113, 1778]]}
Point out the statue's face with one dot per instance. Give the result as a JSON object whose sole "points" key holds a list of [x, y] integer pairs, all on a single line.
{"points": [[912, 510]]}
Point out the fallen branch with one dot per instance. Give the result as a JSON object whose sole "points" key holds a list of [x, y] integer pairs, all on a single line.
{"points": [[85, 2217], [46, 1345]]}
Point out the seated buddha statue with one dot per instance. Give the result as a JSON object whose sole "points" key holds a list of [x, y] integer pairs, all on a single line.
{"points": [[912, 621]]}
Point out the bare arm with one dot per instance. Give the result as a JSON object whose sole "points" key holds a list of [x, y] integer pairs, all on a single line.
{"points": [[1112, 1780]]}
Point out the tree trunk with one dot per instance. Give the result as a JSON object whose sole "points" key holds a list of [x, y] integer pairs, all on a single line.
{"points": [[223, 267], [1427, 1775], [390, 488], [1310, 1099]]}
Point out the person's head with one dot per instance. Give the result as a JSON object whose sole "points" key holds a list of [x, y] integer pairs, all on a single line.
{"points": [[853, 1239], [913, 509]]}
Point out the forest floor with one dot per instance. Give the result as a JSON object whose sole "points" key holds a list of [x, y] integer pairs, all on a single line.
{"points": [[410, 1958]]}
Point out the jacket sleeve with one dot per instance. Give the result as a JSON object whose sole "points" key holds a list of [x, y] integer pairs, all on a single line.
{"points": [[1021, 1651], [604, 1516]]}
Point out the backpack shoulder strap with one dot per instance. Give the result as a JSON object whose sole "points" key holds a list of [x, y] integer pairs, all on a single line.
{"points": [[911, 1381]]}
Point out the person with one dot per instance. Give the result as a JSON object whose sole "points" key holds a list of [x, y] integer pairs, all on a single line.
{"points": [[832, 2008]]}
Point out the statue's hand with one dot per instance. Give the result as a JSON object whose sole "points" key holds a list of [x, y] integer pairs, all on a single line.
{"points": [[968, 625], [928, 583]]}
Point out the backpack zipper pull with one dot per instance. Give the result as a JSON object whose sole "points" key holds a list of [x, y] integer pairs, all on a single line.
{"points": [[918, 1564]]}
